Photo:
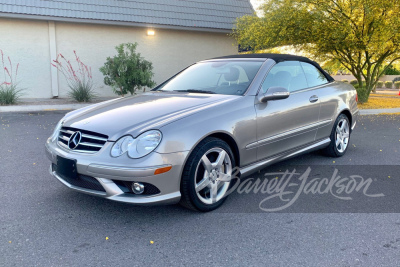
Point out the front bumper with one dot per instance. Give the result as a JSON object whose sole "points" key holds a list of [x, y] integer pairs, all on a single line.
{"points": [[111, 172]]}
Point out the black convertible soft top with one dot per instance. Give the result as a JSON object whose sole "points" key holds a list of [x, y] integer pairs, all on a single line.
{"points": [[279, 58]]}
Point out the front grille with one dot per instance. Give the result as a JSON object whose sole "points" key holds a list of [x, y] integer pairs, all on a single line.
{"points": [[90, 142], [82, 181], [126, 187]]}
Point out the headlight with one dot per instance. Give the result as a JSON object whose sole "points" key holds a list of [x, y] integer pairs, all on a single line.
{"points": [[121, 146], [56, 131], [144, 144], [139, 147]]}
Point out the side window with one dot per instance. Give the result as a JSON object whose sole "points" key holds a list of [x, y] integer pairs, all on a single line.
{"points": [[287, 74], [313, 75]]}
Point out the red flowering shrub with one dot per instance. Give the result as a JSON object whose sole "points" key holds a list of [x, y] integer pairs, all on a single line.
{"points": [[79, 79], [9, 91]]}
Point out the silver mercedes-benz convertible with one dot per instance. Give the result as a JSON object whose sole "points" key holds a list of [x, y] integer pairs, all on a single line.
{"points": [[215, 121]]}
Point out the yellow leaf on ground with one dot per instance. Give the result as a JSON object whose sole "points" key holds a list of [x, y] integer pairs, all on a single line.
{"points": [[106, 237], [381, 102], [151, 242]]}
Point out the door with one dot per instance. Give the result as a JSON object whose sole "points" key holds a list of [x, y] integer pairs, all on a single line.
{"points": [[288, 123], [326, 92]]}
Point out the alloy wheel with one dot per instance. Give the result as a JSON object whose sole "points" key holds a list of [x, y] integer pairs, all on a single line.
{"points": [[213, 175], [342, 135]]}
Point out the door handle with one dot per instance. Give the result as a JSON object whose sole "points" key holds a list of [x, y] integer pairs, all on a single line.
{"points": [[313, 98]]}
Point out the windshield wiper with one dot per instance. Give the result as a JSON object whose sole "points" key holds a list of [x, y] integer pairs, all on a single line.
{"points": [[195, 91]]}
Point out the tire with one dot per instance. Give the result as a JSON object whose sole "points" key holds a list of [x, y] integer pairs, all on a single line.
{"points": [[206, 175], [340, 137]]}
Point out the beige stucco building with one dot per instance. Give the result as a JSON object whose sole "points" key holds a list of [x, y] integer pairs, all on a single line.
{"points": [[33, 32]]}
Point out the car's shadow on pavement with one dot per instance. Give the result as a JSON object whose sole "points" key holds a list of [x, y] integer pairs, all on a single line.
{"points": [[77, 202], [248, 193]]}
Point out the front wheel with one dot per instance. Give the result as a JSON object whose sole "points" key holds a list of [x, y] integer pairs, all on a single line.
{"points": [[207, 175], [340, 137]]}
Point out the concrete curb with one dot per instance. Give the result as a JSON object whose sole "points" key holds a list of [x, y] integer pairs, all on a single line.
{"points": [[27, 108], [378, 111], [33, 108]]}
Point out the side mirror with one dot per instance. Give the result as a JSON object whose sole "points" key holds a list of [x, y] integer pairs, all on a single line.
{"points": [[273, 93]]}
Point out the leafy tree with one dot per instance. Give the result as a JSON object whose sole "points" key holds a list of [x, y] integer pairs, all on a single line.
{"points": [[333, 67], [127, 71], [363, 35]]}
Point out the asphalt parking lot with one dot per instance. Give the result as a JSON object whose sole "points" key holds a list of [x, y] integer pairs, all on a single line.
{"points": [[43, 223]]}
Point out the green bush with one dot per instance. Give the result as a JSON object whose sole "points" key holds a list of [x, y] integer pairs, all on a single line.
{"points": [[388, 84], [397, 85], [353, 82], [357, 85], [127, 71], [379, 84], [345, 81], [391, 71], [9, 94]]}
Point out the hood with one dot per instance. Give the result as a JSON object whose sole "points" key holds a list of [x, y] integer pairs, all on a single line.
{"points": [[134, 115]]}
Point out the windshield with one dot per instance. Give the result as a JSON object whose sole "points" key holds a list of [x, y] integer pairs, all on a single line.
{"points": [[218, 77]]}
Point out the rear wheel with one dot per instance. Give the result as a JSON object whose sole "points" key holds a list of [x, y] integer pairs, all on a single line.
{"points": [[340, 137], [207, 175]]}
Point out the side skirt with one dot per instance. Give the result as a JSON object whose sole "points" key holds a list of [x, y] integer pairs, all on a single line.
{"points": [[249, 169]]}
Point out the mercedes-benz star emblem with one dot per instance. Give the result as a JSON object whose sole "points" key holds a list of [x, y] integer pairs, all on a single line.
{"points": [[74, 140]]}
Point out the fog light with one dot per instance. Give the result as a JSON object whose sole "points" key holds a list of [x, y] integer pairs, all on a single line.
{"points": [[138, 188]]}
